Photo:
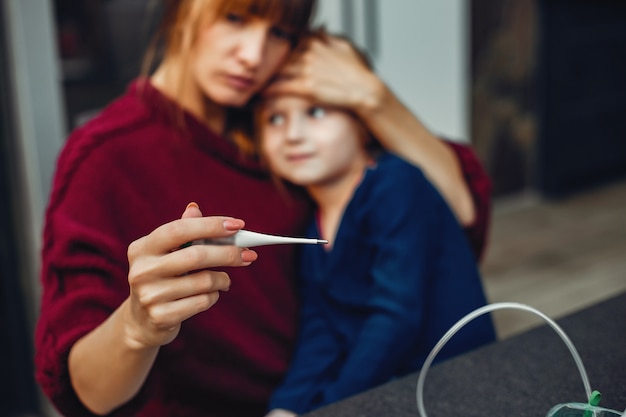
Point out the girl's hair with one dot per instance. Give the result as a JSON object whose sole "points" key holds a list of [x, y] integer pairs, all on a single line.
{"points": [[182, 21]]}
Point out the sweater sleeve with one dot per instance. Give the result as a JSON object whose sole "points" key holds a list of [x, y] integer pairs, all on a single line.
{"points": [[315, 352], [480, 187], [84, 267]]}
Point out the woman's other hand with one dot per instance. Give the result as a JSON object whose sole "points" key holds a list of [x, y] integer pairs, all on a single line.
{"points": [[327, 69]]}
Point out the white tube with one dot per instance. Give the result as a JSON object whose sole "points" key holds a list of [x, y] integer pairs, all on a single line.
{"points": [[479, 312]]}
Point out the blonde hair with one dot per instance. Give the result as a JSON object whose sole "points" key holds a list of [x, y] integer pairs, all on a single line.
{"points": [[182, 21]]}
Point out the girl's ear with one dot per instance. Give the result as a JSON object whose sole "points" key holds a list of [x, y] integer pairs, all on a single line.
{"points": [[369, 141], [364, 134]]}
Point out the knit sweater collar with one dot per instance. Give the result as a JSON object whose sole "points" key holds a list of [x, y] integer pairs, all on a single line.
{"points": [[169, 112]]}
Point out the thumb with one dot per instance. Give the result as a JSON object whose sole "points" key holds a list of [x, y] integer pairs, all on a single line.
{"points": [[192, 210]]}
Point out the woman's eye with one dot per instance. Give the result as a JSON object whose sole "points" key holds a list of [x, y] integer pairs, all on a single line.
{"points": [[281, 33], [276, 119], [234, 17], [317, 112]]}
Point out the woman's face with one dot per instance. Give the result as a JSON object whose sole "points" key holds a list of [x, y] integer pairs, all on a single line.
{"points": [[235, 56], [310, 145]]}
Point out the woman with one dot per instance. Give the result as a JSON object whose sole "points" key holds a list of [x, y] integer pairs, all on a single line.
{"points": [[119, 331]]}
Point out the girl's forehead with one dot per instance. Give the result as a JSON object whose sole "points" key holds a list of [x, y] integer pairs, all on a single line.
{"points": [[287, 101]]}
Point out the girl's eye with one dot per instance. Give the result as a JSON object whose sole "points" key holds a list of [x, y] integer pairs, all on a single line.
{"points": [[276, 119], [317, 112]]}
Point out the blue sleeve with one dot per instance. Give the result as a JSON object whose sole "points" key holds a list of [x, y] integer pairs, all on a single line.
{"points": [[315, 352], [407, 228]]}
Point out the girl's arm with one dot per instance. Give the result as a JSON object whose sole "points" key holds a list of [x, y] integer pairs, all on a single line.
{"points": [[315, 352]]}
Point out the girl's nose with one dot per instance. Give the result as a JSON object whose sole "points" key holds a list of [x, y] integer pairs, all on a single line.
{"points": [[295, 131]]}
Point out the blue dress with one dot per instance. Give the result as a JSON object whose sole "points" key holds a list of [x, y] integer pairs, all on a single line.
{"points": [[399, 275]]}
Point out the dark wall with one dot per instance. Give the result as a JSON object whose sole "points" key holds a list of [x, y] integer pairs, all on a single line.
{"points": [[18, 394], [549, 93], [582, 82], [101, 44], [503, 84]]}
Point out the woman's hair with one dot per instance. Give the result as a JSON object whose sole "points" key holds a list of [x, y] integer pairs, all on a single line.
{"points": [[182, 21]]}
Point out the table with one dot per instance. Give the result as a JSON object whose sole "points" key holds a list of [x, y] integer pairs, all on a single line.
{"points": [[525, 375]]}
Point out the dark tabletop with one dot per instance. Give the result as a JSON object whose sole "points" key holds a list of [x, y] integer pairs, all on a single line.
{"points": [[525, 375]]}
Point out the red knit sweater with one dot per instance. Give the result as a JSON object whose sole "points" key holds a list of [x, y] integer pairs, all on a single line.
{"points": [[130, 170], [118, 178]]}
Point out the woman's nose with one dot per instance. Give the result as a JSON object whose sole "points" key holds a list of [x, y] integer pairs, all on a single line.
{"points": [[252, 47]]}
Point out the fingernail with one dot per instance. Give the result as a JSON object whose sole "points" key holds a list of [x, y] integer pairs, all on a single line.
{"points": [[231, 224], [248, 256], [192, 204]]}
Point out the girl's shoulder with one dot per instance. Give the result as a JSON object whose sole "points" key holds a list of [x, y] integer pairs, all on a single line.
{"points": [[391, 171], [395, 185]]}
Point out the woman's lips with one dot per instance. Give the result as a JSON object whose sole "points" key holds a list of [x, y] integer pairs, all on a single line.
{"points": [[240, 82]]}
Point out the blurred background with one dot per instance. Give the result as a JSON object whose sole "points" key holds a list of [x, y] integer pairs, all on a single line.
{"points": [[537, 87]]}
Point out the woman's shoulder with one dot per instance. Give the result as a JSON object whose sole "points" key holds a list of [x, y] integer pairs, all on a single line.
{"points": [[122, 129], [126, 114], [129, 119]]}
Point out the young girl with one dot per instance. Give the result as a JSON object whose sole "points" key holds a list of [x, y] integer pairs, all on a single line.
{"points": [[398, 271], [120, 330]]}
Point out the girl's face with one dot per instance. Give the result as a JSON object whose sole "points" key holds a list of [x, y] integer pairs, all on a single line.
{"points": [[235, 55], [311, 145]]}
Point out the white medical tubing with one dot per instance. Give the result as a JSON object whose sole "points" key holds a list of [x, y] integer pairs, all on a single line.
{"points": [[479, 312]]}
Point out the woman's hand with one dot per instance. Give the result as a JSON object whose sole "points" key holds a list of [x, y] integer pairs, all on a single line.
{"points": [[168, 285], [109, 365], [328, 70]]}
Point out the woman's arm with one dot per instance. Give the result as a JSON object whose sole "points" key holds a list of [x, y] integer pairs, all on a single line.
{"points": [[109, 365], [331, 71], [402, 133]]}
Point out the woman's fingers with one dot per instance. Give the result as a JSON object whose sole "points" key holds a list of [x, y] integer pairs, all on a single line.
{"points": [[328, 71], [169, 315], [159, 304], [169, 302], [192, 210], [170, 281], [201, 282], [192, 258], [175, 234]]}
